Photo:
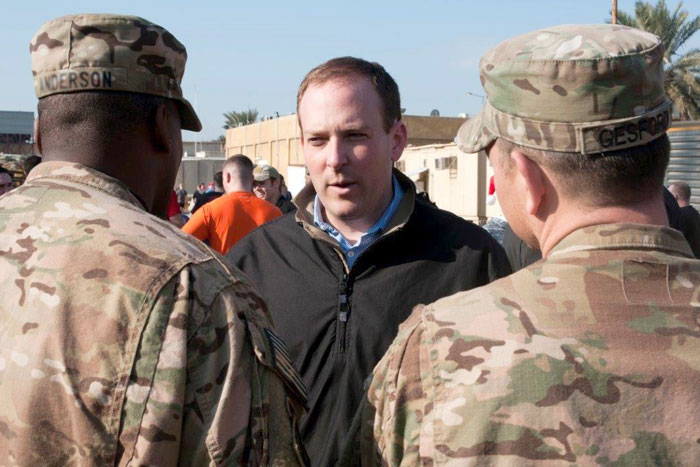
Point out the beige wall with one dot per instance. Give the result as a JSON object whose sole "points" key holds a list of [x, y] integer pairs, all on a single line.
{"points": [[456, 182], [276, 141]]}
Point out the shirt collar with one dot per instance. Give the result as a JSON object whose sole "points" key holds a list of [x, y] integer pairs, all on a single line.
{"points": [[378, 226], [622, 236]]}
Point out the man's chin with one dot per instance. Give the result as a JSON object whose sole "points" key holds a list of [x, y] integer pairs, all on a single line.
{"points": [[344, 211]]}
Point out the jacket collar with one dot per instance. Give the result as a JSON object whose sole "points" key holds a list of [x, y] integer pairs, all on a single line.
{"points": [[621, 236], [305, 214], [84, 175]]}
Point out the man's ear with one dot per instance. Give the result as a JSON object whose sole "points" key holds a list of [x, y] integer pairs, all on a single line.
{"points": [[534, 179], [399, 137], [37, 135], [161, 131]]}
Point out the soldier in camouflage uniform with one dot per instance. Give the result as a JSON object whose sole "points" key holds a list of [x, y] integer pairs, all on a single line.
{"points": [[122, 341], [592, 356]]}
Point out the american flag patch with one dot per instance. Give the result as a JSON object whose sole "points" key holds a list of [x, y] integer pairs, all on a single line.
{"points": [[282, 362]]}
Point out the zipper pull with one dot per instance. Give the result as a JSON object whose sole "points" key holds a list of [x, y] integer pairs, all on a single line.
{"points": [[343, 316]]}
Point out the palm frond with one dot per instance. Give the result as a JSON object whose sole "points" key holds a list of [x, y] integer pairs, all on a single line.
{"points": [[674, 28]]}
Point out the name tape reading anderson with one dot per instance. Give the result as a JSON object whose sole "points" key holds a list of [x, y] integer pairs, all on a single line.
{"points": [[68, 80]]}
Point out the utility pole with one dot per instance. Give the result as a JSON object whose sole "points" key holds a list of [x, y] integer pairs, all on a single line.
{"points": [[614, 11]]}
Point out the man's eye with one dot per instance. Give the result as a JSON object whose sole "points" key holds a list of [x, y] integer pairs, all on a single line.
{"points": [[356, 136], [315, 141]]}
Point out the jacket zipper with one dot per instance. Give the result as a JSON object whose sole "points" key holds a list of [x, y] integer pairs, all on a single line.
{"points": [[344, 300], [343, 312]]}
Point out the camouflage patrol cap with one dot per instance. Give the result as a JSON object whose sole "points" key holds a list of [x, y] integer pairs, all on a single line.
{"points": [[265, 172], [104, 52], [572, 88]]}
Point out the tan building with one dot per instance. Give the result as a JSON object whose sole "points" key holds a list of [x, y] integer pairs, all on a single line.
{"points": [[276, 141], [455, 181]]}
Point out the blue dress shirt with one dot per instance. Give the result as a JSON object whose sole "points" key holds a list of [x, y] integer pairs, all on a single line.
{"points": [[353, 251]]}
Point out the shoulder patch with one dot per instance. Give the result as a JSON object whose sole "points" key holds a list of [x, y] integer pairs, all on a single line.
{"points": [[282, 364]]}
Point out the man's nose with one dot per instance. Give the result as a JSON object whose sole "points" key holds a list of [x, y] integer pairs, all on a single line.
{"points": [[336, 155]]}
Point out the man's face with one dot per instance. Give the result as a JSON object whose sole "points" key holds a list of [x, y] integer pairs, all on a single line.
{"points": [[348, 153], [5, 183], [269, 190]]}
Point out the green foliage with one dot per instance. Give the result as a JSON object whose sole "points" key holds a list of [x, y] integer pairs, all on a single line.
{"points": [[682, 70], [234, 119]]}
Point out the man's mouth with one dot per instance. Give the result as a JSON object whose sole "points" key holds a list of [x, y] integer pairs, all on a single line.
{"points": [[341, 186]]}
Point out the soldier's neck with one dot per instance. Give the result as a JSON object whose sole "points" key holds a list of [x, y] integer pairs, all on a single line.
{"points": [[570, 218], [131, 167]]}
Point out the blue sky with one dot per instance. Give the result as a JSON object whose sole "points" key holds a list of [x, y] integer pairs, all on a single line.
{"points": [[254, 54]]}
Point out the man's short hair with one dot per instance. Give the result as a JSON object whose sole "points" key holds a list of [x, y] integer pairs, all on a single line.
{"points": [[622, 177], [344, 68], [241, 164], [105, 114], [681, 189], [219, 179]]}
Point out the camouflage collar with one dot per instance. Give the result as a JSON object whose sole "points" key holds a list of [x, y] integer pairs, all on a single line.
{"points": [[83, 175], [622, 236]]}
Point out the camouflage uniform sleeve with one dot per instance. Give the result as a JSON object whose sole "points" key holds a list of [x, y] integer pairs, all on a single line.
{"points": [[397, 409], [217, 395]]}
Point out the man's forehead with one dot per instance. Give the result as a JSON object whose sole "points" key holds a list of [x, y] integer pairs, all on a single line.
{"points": [[351, 101], [352, 89]]}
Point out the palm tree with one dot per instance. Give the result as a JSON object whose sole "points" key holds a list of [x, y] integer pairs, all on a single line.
{"points": [[234, 119], [682, 70]]}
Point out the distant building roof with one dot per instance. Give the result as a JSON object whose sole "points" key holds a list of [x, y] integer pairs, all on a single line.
{"points": [[16, 123]]}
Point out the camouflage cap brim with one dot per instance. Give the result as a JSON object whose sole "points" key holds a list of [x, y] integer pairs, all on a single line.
{"points": [[473, 136], [585, 138], [188, 117]]}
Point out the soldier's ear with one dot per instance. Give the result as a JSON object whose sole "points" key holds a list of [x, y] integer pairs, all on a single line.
{"points": [[161, 130], [37, 135], [534, 181]]}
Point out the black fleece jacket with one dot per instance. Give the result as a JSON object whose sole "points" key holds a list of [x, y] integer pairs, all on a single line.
{"points": [[337, 323]]}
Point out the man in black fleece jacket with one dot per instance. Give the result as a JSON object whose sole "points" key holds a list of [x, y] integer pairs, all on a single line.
{"points": [[341, 274]]}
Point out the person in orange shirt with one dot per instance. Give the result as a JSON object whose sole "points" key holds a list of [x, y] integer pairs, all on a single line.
{"points": [[227, 219]]}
